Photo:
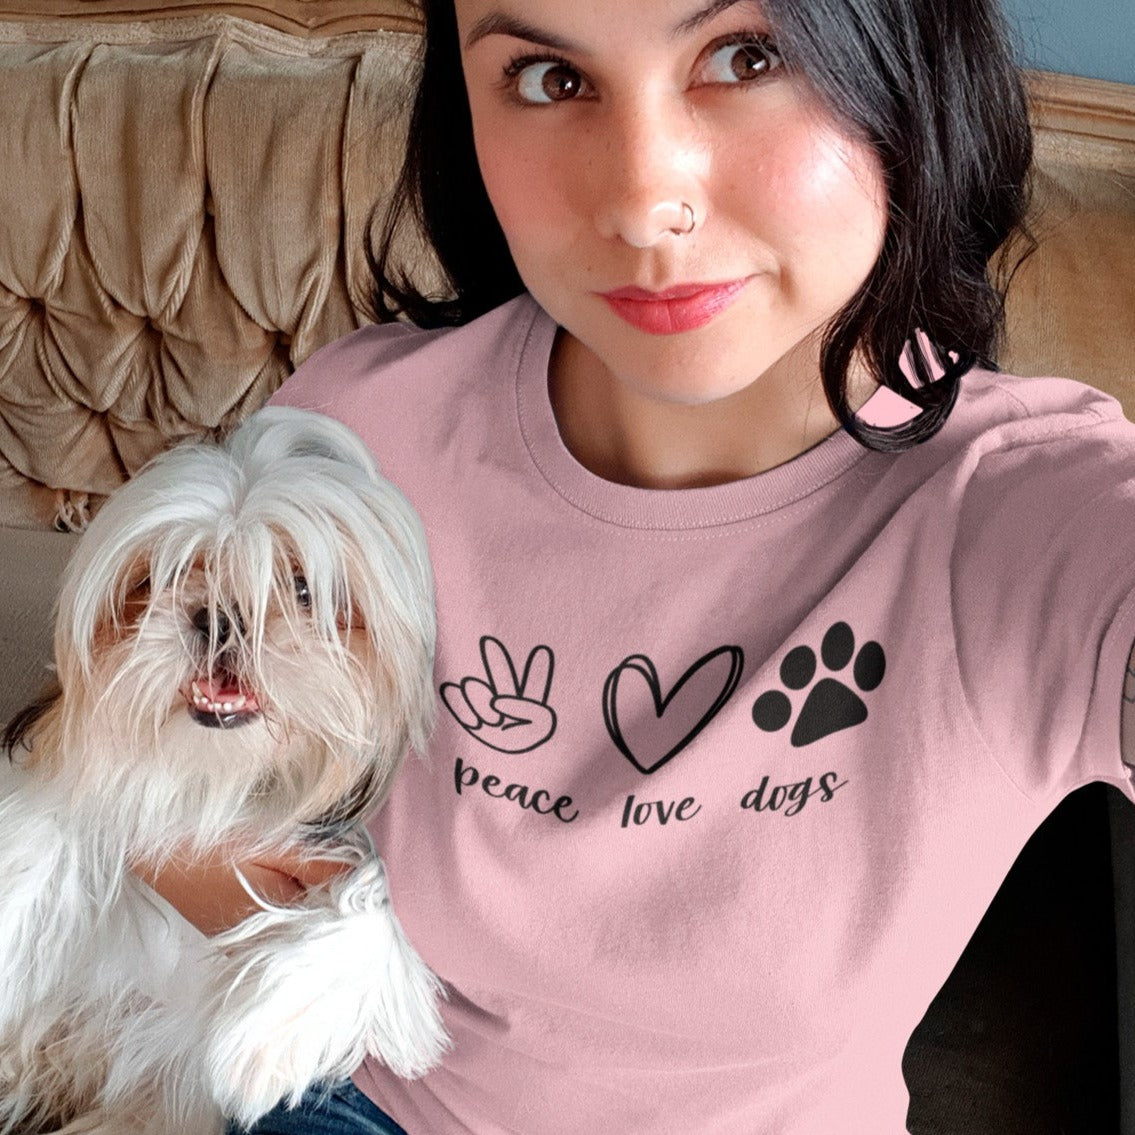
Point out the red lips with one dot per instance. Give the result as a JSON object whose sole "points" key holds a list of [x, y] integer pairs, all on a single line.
{"points": [[681, 308]]}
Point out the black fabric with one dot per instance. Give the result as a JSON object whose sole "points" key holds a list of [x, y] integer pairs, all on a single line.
{"points": [[1023, 1037]]}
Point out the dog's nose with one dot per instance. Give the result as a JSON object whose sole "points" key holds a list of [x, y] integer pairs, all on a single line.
{"points": [[214, 626]]}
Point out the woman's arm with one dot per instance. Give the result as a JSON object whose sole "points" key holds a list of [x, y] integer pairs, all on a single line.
{"points": [[208, 893]]}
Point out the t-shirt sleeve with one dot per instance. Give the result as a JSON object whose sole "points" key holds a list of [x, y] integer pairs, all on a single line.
{"points": [[1042, 593]]}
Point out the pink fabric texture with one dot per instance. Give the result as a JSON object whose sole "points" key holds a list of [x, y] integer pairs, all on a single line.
{"points": [[723, 779]]}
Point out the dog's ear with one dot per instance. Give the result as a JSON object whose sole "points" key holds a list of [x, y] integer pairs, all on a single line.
{"points": [[19, 729]]}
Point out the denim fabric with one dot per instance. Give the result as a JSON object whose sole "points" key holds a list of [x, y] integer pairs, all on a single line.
{"points": [[342, 1110]]}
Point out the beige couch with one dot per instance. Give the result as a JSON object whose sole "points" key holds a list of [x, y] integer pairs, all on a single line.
{"points": [[184, 191]]}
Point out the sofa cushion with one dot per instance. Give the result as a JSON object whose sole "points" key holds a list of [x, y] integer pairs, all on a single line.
{"points": [[185, 205]]}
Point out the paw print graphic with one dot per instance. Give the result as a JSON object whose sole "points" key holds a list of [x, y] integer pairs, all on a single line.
{"points": [[831, 704]]}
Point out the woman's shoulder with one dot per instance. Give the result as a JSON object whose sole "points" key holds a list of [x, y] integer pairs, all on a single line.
{"points": [[1021, 465], [1041, 544], [1043, 470], [1025, 407], [407, 392], [385, 360], [1010, 424]]}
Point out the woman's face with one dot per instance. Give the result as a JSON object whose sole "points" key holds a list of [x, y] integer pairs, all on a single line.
{"points": [[603, 127]]}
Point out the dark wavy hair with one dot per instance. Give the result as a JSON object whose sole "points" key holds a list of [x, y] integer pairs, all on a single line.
{"points": [[932, 87]]}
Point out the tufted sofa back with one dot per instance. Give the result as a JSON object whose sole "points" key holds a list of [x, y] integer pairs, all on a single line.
{"points": [[184, 206]]}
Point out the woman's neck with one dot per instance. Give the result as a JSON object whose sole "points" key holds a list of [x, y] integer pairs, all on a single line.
{"points": [[630, 438]]}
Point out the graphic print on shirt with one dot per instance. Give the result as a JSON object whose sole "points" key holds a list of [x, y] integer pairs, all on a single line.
{"points": [[831, 705], [650, 729], [503, 710]]}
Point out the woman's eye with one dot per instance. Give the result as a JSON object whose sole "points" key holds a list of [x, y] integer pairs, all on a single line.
{"points": [[546, 81], [742, 61]]}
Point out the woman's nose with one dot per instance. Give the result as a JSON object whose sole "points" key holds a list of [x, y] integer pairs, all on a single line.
{"points": [[650, 187], [644, 226]]}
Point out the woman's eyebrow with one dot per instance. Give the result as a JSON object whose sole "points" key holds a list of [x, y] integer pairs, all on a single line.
{"points": [[703, 16], [502, 23]]}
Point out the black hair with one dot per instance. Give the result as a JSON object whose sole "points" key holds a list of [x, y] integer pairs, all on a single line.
{"points": [[935, 91], [440, 189]]}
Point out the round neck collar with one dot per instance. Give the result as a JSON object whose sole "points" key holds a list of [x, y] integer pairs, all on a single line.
{"points": [[663, 509]]}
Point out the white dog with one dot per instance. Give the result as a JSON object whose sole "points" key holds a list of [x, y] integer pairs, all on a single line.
{"points": [[244, 648]]}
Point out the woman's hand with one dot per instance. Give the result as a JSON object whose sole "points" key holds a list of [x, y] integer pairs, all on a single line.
{"points": [[207, 892]]}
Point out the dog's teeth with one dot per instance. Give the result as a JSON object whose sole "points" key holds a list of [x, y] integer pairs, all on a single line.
{"points": [[203, 702]]}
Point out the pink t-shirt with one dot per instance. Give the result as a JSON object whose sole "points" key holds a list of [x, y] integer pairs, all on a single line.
{"points": [[723, 779]]}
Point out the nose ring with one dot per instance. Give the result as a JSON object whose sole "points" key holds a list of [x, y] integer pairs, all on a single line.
{"points": [[689, 217], [642, 230]]}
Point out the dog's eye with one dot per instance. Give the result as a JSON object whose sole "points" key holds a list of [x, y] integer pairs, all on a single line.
{"points": [[303, 595]]}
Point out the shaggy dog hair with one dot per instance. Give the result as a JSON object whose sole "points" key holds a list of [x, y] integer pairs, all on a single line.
{"points": [[244, 652]]}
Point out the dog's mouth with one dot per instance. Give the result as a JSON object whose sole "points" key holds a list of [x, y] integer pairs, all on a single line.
{"points": [[219, 702]]}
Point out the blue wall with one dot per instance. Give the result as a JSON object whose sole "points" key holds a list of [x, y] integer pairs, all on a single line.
{"points": [[1078, 37]]}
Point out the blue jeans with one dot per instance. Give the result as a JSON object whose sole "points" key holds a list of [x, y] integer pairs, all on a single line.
{"points": [[341, 1110]]}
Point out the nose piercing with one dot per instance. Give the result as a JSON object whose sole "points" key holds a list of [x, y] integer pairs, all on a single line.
{"points": [[643, 230], [689, 217]]}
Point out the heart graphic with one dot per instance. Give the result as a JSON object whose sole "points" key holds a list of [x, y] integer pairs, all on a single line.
{"points": [[649, 729]]}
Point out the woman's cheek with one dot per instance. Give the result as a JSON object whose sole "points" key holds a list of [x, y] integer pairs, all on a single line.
{"points": [[539, 226], [838, 185]]}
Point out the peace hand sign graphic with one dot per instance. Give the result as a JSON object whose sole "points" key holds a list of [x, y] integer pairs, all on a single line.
{"points": [[505, 712]]}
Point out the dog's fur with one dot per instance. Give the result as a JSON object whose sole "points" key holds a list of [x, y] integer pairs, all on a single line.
{"points": [[244, 647]]}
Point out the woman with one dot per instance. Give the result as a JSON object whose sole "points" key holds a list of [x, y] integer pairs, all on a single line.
{"points": [[749, 701]]}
